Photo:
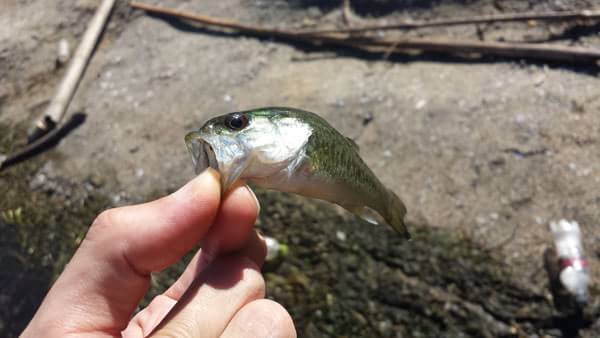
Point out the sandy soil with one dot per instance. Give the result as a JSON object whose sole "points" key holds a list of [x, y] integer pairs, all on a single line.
{"points": [[493, 150]]}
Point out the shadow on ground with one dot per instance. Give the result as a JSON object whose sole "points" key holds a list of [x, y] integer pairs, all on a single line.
{"points": [[377, 7], [347, 278]]}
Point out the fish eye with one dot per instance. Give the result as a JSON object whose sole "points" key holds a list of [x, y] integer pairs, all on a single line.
{"points": [[236, 121]]}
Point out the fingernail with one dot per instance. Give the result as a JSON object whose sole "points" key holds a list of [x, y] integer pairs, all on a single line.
{"points": [[255, 200]]}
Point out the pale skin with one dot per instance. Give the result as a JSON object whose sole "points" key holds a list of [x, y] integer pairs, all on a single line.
{"points": [[220, 294]]}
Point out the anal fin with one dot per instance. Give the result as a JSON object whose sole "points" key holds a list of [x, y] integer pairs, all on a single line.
{"points": [[365, 213], [394, 216]]}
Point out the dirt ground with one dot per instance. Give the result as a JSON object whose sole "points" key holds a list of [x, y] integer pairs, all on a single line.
{"points": [[488, 151]]}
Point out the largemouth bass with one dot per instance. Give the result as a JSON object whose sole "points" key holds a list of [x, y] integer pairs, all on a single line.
{"points": [[294, 151]]}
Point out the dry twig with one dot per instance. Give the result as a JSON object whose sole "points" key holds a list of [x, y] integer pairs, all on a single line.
{"points": [[347, 13], [383, 45], [56, 109], [47, 141], [550, 16]]}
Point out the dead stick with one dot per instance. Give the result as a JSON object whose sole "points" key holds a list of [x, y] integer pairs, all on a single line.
{"points": [[522, 50], [347, 13], [207, 20], [570, 15], [382, 45], [60, 102], [43, 143], [234, 25]]}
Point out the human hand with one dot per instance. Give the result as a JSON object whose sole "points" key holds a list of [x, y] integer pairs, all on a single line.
{"points": [[220, 294]]}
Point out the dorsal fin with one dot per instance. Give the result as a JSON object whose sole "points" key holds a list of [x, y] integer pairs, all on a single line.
{"points": [[356, 147]]}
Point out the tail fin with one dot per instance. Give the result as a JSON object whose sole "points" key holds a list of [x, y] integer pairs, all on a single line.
{"points": [[395, 212]]}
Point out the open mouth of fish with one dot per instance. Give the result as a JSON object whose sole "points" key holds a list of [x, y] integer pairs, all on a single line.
{"points": [[203, 155]]}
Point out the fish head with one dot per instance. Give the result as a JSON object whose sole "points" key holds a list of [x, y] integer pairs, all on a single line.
{"points": [[249, 144]]}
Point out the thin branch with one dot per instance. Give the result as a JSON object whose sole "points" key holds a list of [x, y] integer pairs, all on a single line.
{"points": [[386, 45], [46, 141], [347, 13], [56, 109], [550, 16], [517, 50], [207, 20]]}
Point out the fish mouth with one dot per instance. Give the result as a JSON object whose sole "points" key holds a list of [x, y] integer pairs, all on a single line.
{"points": [[203, 154]]}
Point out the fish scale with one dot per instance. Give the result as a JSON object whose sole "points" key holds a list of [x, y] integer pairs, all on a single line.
{"points": [[334, 156]]}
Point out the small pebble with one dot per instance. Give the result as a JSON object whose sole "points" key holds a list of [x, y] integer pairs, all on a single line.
{"points": [[367, 118], [96, 180], [520, 118], [272, 248], [539, 80], [116, 60], [420, 104], [64, 52], [584, 172], [385, 327]]}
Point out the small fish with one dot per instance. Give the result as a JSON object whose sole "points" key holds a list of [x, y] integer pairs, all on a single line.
{"points": [[294, 151]]}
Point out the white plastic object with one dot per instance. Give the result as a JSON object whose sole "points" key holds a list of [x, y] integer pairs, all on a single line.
{"points": [[574, 274], [273, 248]]}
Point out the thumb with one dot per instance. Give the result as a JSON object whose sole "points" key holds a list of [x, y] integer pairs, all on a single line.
{"points": [[110, 272]]}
